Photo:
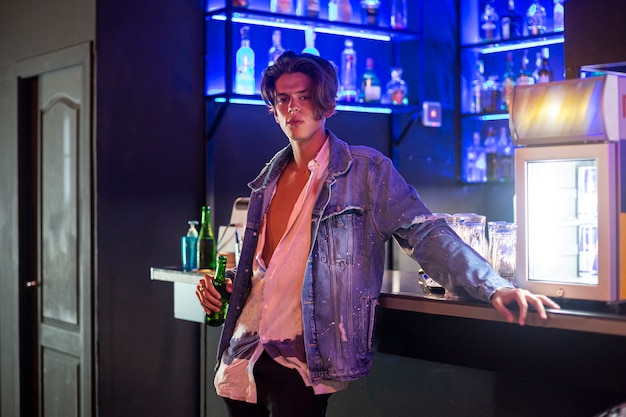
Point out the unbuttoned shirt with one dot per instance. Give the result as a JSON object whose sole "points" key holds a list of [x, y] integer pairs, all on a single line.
{"points": [[271, 319]]}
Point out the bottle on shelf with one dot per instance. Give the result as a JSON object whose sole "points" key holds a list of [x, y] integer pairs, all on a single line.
{"points": [[217, 318], [348, 72], [281, 6], [396, 90], [369, 12], [333, 10], [504, 156], [309, 41], [525, 77], [475, 161], [398, 19], [344, 10], [240, 3], [308, 8], [536, 19], [511, 24], [277, 48], [491, 92], [544, 72], [189, 247], [476, 89], [370, 84], [508, 82], [491, 155], [489, 21], [537, 66], [206, 241], [244, 79], [558, 16]]}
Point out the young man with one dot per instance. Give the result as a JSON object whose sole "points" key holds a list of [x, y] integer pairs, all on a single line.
{"points": [[300, 319]]}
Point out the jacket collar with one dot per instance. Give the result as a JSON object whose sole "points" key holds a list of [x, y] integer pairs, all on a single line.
{"points": [[339, 163]]}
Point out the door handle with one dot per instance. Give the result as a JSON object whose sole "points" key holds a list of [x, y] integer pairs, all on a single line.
{"points": [[30, 284]]}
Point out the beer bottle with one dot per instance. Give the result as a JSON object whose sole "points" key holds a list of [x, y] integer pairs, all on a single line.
{"points": [[206, 241], [219, 282]]}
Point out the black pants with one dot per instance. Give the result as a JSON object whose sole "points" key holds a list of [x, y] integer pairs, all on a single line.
{"points": [[280, 392]]}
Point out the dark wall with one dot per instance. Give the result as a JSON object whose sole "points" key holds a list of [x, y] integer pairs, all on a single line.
{"points": [[150, 164], [598, 35]]}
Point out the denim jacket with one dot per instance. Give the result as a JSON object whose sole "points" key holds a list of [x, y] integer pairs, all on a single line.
{"points": [[363, 202]]}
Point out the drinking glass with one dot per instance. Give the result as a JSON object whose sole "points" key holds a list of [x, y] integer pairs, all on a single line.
{"points": [[502, 248], [471, 229]]}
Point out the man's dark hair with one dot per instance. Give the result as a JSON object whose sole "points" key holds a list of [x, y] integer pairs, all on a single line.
{"points": [[324, 83]]}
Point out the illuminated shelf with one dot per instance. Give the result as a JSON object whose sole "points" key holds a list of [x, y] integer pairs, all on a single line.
{"points": [[487, 116], [265, 18], [553, 38], [351, 107]]}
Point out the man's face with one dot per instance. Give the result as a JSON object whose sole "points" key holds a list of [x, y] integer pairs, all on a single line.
{"points": [[294, 110]]}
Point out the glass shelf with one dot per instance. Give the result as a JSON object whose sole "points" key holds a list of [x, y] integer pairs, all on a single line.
{"points": [[265, 18], [553, 38], [487, 116], [341, 106]]}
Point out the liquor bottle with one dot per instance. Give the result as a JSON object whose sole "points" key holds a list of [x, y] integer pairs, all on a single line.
{"points": [[475, 161], [504, 155], [476, 89], [276, 50], [369, 12], [396, 90], [206, 241], [216, 318], [189, 247], [309, 41], [308, 8], [511, 24], [491, 100], [525, 77], [489, 21], [240, 3], [544, 72], [536, 19], [344, 11], [348, 72], [491, 155], [333, 10], [558, 16], [281, 6], [370, 84], [398, 18], [244, 79], [508, 82], [537, 66]]}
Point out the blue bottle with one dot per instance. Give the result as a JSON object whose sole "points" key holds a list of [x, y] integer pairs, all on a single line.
{"points": [[189, 247]]}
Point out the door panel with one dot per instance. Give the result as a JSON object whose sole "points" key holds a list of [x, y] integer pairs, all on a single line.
{"points": [[64, 282]]}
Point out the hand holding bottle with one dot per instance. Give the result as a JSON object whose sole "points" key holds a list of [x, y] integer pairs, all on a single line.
{"points": [[209, 296]]}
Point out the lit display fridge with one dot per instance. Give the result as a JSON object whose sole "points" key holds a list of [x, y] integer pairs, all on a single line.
{"points": [[570, 183]]}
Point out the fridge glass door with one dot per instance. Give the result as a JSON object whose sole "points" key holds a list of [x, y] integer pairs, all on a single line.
{"points": [[564, 216]]}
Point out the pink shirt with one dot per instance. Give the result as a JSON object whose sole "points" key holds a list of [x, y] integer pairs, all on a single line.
{"points": [[271, 319]]}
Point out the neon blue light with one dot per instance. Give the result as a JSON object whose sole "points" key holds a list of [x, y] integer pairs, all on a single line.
{"points": [[526, 44], [489, 117], [301, 26], [258, 102]]}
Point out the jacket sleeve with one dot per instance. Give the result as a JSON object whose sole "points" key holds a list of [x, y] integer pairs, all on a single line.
{"points": [[400, 213]]}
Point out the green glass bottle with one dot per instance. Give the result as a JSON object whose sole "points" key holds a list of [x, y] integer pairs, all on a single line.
{"points": [[219, 282], [206, 241]]}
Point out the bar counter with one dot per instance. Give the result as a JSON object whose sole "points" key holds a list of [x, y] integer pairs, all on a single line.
{"points": [[403, 291]]}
